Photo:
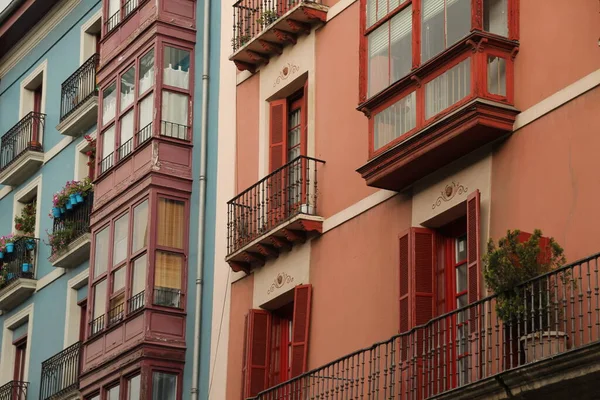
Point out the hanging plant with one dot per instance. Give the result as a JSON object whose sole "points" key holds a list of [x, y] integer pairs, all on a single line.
{"points": [[26, 221], [91, 153]]}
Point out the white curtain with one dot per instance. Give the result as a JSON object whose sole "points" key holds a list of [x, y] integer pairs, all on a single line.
{"points": [[395, 121], [109, 106], [126, 134], [176, 77], [175, 114], [113, 7], [147, 80], [108, 142], [146, 111], [448, 88], [120, 239]]}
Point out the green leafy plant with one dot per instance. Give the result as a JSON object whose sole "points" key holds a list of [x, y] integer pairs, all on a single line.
{"points": [[267, 18], [239, 41], [25, 222], [510, 264], [60, 239]]}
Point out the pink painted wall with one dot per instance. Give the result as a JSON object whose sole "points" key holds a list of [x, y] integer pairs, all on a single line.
{"points": [[247, 103], [545, 176], [241, 302], [354, 273], [559, 45], [341, 132]]}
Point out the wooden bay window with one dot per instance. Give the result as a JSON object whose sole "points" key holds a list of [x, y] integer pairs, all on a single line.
{"points": [[422, 58]]}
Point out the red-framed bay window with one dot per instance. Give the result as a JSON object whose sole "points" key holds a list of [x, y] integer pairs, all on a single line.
{"points": [[127, 110], [119, 268], [422, 58]]}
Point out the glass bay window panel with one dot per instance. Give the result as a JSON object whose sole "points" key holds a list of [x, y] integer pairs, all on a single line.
{"points": [[496, 75], [109, 103], [448, 88], [176, 67], [174, 114], [133, 388], [140, 226], [458, 20], [101, 252], [164, 386], [394, 121], [495, 17], [171, 223], [126, 134], [167, 279], [118, 280], [443, 23], [146, 111], [401, 44], [120, 239], [99, 299], [127, 88], [378, 59], [138, 275], [146, 72], [108, 142]]}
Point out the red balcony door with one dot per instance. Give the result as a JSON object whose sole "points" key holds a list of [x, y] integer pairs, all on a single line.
{"points": [[83, 312], [37, 109], [20, 357]]}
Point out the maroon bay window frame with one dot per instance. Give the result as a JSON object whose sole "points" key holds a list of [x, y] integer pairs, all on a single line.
{"points": [[95, 280], [178, 372], [155, 248], [127, 263], [123, 15], [162, 43], [135, 61]]}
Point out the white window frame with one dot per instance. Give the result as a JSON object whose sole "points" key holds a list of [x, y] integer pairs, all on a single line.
{"points": [[73, 312], [87, 43], [81, 159], [25, 315], [33, 188], [28, 85]]}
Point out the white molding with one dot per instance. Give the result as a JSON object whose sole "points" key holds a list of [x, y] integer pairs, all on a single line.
{"points": [[8, 350], [58, 147], [5, 191], [38, 32], [71, 315], [41, 69], [338, 7], [81, 158], [357, 208], [35, 184], [557, 99], [84, 28], [49, 278]]}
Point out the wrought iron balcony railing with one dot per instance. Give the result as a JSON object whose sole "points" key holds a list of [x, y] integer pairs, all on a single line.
{"points": [[286, 192], [60, 373], [251, 17], [79, 87], [21, 137], [76, 220], [168, 297], [555, 312], [20, 263], [14, 390]]}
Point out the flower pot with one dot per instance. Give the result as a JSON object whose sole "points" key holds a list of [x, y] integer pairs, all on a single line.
{"points": [[30, 244], [63, 210], [542, 344], [26, 267], [69, 205], [10, 247], [9, 276], [56, 212], [79, 198], [1, 255], [73, 199]]}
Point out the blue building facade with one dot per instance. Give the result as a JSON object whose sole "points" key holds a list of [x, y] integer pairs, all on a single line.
{"points": [[58, 60]]}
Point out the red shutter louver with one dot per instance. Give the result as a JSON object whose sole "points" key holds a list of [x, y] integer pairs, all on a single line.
{"points": [[257, 352], [277, 133], [473, 246], [422, 267], [300, 329], [404, 283]]}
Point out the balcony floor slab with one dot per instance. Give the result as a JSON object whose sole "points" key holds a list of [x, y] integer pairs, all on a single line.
{"points": [[81, 119], [16, 293], [77, 252], [22, 168]]}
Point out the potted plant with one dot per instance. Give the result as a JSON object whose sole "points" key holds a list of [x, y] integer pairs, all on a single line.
{"points": [[8, 242], [59, 240], [25, 222], [267, 17], [524, 303]]}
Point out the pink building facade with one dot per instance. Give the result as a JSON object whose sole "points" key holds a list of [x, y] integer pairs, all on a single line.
{"points": [[378, 146]]}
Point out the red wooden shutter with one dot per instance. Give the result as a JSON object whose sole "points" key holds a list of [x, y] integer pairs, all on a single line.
{"points": [[404, 283], [423, 257], [257, 352], [473, 257], [300, 325], [278, 134], [304, 137]]}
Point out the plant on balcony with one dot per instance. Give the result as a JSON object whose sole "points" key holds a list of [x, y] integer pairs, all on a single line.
{"points": [[59, 239], [26, 221], [239, 41], [91, 153], [267, 18], [71, 195], [511, 263]]}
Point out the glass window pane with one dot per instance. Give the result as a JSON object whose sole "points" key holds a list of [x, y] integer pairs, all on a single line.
{"points": [[401, 44], [495, 16], [146, 72], [458, 24], [174, 115], [461, 278], [394, 121], [108, 142], [379, 62], [101, 252], [496, 75], [140, 226], [116, 309], [109, 103], [171, 223], [146, 112], [126, 141], [113, 393], [100, 299], [167, 279], [127, 88], [120, 239], [461, 249], [118, 279], [138, 279], [448, 88], [371, 12], [432, 29], [164, 386], [133, 392], [176, 67]]}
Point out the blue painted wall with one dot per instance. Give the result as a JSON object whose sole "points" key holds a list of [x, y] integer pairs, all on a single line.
{"points": [[210, 220], [61, 50]]}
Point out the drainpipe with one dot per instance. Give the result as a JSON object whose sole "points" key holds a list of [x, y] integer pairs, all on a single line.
{"points": [[202, 205]]}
